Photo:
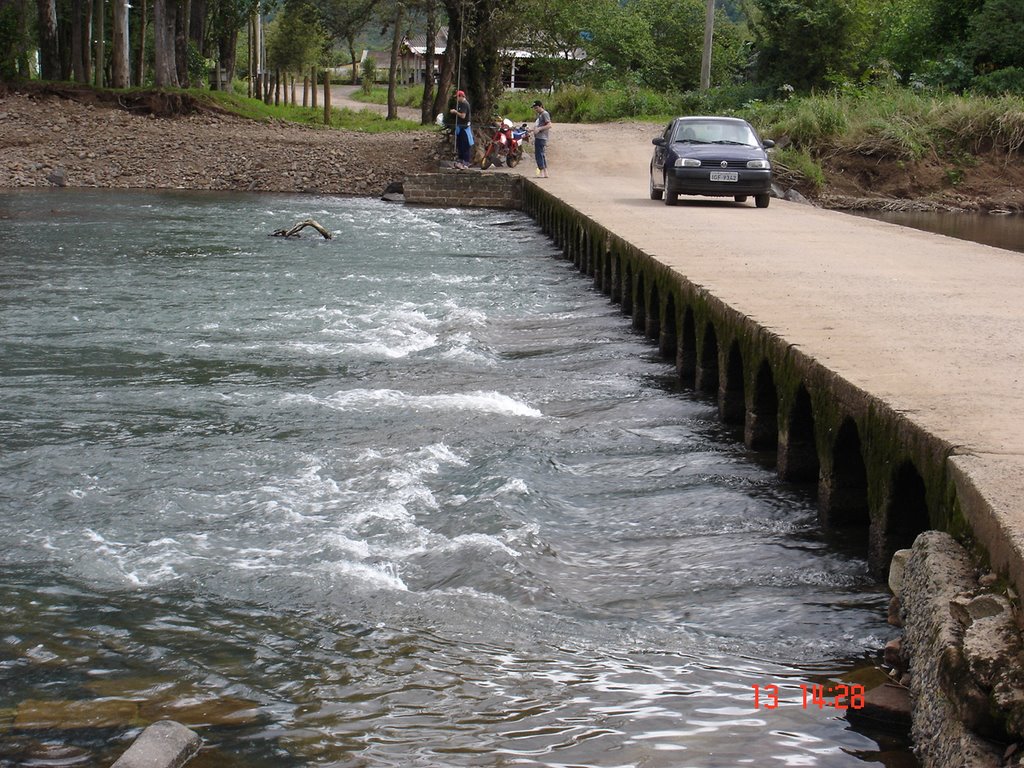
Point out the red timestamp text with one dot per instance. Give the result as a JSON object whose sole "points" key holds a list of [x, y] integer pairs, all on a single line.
{"points": [[834, 696]]}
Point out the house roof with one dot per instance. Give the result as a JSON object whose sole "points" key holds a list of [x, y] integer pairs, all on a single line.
{"points": [[418, 43]]}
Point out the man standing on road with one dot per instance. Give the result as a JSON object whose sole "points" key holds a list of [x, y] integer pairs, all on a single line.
{"points": [[540, 138], [463, 130]]}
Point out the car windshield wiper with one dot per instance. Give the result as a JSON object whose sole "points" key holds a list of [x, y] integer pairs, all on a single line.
{"points": [[692, 141], [736, 143]]}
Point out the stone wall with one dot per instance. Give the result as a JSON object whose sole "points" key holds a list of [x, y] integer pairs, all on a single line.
{"points": [[465, 189], [963, 650]]}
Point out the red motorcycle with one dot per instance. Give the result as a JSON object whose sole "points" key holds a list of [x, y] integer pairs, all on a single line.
{"points": [[506, 145]]}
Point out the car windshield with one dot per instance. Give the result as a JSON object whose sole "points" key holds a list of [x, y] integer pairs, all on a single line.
{"points": [[714, 132]]}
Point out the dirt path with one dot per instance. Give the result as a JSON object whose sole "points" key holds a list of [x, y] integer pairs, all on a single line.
{"points": [[341, 97]]}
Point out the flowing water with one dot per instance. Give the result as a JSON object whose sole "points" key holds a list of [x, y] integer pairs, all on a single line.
{"points": [[413, 496]]}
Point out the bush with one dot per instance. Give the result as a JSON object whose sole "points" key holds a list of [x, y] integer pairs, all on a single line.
{"points": [[1008, 80], [794, 167], [369, 75]]}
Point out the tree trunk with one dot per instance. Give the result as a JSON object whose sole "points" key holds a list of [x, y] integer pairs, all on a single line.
{"points": [[480, 43], [427, 103], [180, 32], [227, 54], [49, 50], [197, 16], [355, 64], [99, 32], [140, 54], [396, 49], [165, 73], [444, 86], [705, 61], [327, 97], [121, 78], [254, 56], [78, 34], [313, 80]]}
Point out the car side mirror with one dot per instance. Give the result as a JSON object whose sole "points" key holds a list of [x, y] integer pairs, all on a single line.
{"points": [[767, 143], [658, 142]]}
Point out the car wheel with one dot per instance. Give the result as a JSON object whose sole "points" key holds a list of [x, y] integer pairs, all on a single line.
{"points": [[671, 196], [655, 192], [740, 198], [761, 201]]}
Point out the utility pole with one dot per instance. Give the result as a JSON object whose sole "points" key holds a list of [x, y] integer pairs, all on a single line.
{"points": [[709, 31]]}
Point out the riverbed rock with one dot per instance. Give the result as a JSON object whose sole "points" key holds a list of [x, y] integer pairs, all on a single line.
{"points": [[166, 744]]}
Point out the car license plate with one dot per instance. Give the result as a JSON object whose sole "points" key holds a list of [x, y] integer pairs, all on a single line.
{"points": [[725, 176]]}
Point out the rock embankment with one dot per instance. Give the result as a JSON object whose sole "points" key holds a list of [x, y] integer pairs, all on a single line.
{"points": [[46, 140]]}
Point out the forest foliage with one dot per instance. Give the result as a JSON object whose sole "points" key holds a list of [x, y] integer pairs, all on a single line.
{"points": [[646, 50]]}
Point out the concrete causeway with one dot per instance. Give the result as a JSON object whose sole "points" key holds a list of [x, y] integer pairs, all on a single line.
{"points": [[927, 327]]}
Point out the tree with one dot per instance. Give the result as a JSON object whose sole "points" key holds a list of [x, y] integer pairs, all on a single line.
{"points": [[165, 71], [295, 40], [996, 35], [427, 102], [559, 31], [916, 35], [398, 9], [120, 77], [345, 20], [49, 51], [809, 43], [15, 41]]}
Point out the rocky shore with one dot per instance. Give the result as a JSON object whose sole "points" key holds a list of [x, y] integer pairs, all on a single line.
{"points": [[48, 140]]}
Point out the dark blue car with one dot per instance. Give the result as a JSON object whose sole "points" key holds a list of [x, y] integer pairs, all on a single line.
{"points": [[716, 156]]}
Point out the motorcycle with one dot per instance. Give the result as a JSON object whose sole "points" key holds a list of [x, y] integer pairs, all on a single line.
{"points": [[505, 145]]}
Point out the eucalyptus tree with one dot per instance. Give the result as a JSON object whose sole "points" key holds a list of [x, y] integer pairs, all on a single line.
{"points": [[49, 48], [165, 68]]}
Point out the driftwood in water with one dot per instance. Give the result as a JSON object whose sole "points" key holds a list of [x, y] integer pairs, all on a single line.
{"points": [[294, 231]]}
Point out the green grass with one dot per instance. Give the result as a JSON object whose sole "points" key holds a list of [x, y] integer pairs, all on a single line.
{"points": [[365, 121], [896, 123]]}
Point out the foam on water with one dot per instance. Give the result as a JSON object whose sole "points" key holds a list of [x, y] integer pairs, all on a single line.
{"points": [[372, 399], [414, 491]]}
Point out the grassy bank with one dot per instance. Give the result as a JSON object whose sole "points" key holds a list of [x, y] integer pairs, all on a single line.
{"points": [[342, 119]]}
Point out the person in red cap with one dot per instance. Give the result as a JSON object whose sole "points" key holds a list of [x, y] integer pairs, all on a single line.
{"points": [[463, 130]]}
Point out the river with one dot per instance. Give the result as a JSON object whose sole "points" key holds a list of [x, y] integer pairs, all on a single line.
{"points": [[412, 496], [1001, 231]]}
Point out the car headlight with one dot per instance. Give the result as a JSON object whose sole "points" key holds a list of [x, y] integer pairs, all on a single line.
{"points": [[687, 162], [762, 164]]}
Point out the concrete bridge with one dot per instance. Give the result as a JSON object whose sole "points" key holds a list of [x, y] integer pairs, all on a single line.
{"points": [[882, 363]]}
